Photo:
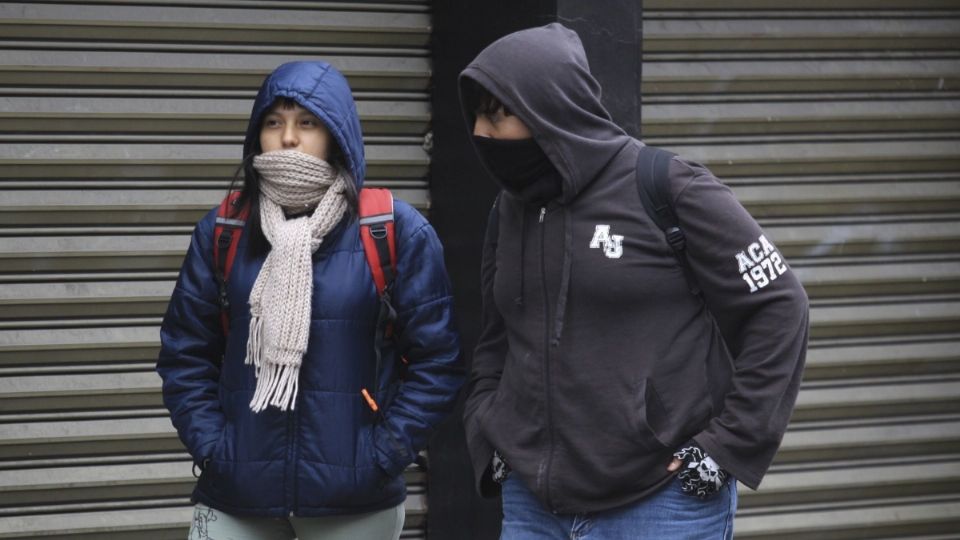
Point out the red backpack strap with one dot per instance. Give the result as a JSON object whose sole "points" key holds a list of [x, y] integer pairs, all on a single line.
{"points": [[380, 247], [231, 218], [378, 236]]}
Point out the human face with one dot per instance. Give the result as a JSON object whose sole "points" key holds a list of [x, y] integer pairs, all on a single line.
{"points": [[288, 126], [500, 125]]}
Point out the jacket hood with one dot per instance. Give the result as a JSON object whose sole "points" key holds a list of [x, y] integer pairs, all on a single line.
{"points": [[542, 76], [322, 90]]}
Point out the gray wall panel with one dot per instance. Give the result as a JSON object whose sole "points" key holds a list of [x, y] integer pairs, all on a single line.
{"points": [[836, 124], [121, 124]]}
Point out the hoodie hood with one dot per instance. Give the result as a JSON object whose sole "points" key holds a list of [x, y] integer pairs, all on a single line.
{"points": [[542, 76], [322, 90]]}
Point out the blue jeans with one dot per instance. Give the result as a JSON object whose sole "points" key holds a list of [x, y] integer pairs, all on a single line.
{"points": [[668, 514]]}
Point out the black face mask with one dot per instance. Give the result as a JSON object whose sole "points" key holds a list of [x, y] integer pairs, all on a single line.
{"points": [[521, 167]]}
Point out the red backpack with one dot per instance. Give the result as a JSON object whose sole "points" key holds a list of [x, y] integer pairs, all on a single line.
{"points": [[379, 244]]}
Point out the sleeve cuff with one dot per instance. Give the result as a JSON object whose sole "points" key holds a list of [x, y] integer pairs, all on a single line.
{"points": [[722, 457]]}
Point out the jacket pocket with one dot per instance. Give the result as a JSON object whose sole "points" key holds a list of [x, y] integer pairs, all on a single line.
{"points": [[219, 451], [214, 451], [371, 476], [213, 478]]}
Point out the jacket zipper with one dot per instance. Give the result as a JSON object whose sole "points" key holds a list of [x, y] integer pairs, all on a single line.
{"points": [[546, 357], [291, 471]]}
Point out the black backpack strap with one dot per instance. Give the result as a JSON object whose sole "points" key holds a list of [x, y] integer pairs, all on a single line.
{"points": [[653, 183]]}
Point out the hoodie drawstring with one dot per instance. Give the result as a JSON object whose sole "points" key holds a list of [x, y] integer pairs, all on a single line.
{"points": [[523, 251], [564, 279], [564, 275]]}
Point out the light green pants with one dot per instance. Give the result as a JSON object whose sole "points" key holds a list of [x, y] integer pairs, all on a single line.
{"points": [[210, 524]]}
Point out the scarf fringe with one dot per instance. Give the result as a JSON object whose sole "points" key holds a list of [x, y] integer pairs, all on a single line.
{"points": [[255, 343], [278, 376], [277, 385]]}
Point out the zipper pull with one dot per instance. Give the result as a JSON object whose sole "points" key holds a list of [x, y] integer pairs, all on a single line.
{"points": [[372, 403], [543, 212]]}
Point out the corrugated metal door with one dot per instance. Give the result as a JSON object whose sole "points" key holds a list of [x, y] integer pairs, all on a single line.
{"points": [[836, 123], [121, 122]]}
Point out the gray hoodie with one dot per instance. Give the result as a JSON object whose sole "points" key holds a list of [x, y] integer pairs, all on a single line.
{"points": [[595, 362]]}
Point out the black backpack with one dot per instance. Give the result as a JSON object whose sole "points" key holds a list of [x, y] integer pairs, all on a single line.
{"points": [[653, 183]]}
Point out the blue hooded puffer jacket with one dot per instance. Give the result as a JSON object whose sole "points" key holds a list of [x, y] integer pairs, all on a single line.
{"points": [[330, 454]]}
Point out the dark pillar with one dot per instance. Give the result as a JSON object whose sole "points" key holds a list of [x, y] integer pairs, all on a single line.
{"points": [[612, 35], [461, 193]]}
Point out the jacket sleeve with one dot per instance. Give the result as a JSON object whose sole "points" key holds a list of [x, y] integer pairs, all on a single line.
{"points": [[191, 347], [489, 357], [762, 312], [428, 340]]}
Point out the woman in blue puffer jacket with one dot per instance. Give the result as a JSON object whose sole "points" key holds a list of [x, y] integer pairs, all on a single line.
{"points": [[270, 409]]}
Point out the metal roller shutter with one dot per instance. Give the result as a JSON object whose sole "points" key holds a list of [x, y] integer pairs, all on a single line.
{"points": [[836, 123], [121, 123]]}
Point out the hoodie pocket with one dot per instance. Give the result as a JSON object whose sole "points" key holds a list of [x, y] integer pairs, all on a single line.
{"points": [[676, 411], [495, 398], [652, 415]]}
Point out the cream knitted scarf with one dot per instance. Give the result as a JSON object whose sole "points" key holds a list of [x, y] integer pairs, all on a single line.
{"points": [[280, 298]]}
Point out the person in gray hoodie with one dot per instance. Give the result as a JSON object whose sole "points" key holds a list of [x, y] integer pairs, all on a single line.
{"points": [[606, 400]]}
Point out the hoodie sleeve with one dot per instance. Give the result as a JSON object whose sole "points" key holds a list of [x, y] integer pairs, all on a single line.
{"points": [[762, 312], [429, 341], [488, 360], [191, 347]]}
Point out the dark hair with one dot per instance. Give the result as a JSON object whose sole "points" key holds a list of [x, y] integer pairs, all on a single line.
{"points": [[477, 100], [257, 244]]}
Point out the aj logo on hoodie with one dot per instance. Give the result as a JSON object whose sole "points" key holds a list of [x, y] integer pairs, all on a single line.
{"points": [[612, 244]]}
